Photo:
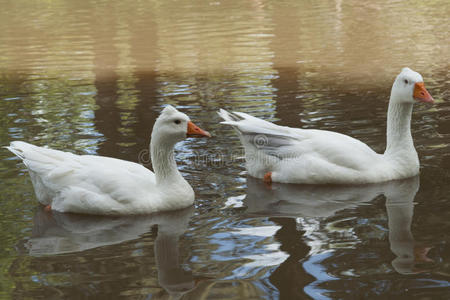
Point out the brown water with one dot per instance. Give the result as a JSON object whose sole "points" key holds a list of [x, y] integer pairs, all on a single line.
{"points": [[92, 76]]}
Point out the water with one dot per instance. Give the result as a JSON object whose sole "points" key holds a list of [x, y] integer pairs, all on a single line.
{"points": [[92, 76]]}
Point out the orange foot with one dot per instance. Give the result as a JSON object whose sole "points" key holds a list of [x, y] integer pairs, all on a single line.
{"points": [[268, 178], [48, 208], [420, 254]]}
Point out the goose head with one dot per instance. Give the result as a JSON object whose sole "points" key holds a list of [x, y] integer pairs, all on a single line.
{"points": [[409, 88], [174, 126]]}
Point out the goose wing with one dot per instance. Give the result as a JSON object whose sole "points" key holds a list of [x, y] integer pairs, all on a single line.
{"points": [[283, 142]]}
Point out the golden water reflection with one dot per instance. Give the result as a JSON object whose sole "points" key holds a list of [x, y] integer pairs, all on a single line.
{"points": [[349, 39]]}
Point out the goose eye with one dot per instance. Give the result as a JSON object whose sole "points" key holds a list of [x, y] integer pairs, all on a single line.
{"points": [[406, 81], [177, 121]]}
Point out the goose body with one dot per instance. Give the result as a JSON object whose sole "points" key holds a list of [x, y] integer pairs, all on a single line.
{"points": [[310, 156], [90, 184]]}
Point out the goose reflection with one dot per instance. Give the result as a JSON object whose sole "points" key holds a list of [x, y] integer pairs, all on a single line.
{"points": [[58, 233], [400, 210], [282, 200], [304, 200]]}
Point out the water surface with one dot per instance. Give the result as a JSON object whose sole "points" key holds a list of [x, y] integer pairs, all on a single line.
{"points": [[90, 77]]}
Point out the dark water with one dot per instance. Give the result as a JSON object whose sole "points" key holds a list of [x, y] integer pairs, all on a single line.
{"points": [[92, 76]]}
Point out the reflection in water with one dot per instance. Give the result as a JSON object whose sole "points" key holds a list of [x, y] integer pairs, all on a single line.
{"points": [[306, 200], [171, 275], [400, 210], [58, 233], [91, 76], [286, 203], [290, 277]]}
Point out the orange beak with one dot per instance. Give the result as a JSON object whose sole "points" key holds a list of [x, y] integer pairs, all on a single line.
{"points": [[194, 130], [421, 94]]}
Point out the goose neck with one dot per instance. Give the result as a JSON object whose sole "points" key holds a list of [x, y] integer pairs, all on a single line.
{"points": [[399, 127], [163, 161]]}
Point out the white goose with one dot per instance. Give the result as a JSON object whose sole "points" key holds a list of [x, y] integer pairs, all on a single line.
{"points": [[292, 155], [102, 185]]}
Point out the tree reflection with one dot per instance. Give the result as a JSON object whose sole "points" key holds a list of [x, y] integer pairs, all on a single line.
{"points": [[290, 277], [107, 115]]}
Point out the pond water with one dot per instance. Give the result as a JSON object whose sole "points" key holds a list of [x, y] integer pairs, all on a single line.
{"points": [[90, 77]]}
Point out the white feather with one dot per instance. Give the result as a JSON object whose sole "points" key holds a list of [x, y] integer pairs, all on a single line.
{"points": [[108, 186], [295, 155]]}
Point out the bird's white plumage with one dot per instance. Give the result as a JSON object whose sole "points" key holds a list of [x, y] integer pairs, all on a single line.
{"points": [[295, 155], [301, 156], [108, 186]]}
